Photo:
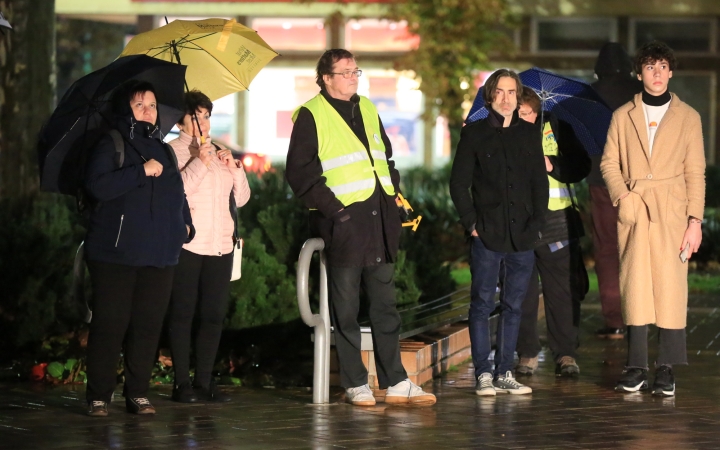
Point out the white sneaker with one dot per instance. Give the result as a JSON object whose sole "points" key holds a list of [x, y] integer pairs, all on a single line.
{"points": [[485, 385], [507, 384], [408, 392], [360, 396]]}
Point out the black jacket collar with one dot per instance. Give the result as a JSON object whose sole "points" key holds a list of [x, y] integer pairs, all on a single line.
{"points": [[496, 120]]}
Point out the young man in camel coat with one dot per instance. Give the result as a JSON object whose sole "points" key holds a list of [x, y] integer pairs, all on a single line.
{"points": [[654, 167]]}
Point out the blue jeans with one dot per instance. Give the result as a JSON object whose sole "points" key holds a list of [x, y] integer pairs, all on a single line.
{"points": [[485, 266]]}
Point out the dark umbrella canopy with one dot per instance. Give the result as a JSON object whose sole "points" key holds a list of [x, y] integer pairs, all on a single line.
{"points": [[570, 100], [83, 116]]}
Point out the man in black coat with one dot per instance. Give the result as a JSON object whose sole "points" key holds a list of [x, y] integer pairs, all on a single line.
{"points": [[615, 86], [339, 164], [500, 159], [558, 257]]}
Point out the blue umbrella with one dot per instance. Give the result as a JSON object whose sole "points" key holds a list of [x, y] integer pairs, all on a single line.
{"points": [[570, 100]]}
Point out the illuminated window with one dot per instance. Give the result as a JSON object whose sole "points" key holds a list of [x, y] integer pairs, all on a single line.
{"points": [[374, 35], [298, 34]]}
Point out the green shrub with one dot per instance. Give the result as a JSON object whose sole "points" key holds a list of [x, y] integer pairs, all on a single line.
{"points": [[439, 240], [265, 293], [38, 239]]}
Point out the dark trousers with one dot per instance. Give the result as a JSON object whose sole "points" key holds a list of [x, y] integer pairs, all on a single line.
{"points": [[562, 303], [672, 348], [607, 262], [129, 305], [485, 267], [344, 292], [201, 282]]}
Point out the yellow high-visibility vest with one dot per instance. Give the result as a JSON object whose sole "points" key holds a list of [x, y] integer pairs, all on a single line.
{"points": [[347, 168], [561, 194]]}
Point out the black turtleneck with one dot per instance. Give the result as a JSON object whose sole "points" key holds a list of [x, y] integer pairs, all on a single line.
{"points": [[656, 100]]}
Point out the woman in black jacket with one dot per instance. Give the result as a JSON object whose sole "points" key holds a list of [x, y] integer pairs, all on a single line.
{"points": [[133, 242]]}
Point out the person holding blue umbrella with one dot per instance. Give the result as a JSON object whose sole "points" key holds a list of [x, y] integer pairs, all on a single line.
{"points": [[558, 257]]}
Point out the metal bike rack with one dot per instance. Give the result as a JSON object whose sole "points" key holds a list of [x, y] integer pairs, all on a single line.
{"points": [[320, 322]]}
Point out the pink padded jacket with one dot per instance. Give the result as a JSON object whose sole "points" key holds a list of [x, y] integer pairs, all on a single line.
{"points": [[208, 195]]}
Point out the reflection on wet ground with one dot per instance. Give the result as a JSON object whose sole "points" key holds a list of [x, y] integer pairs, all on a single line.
{"points": [[561, 413]]}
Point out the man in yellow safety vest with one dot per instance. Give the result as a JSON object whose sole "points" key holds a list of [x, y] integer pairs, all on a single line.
{"points": [[339, 165], [558, 258]]}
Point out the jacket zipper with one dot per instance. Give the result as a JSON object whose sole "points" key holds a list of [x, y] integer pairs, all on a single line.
{"points": [[122, 217]]}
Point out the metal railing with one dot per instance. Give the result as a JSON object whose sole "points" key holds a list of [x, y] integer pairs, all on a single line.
{"points": [[320, 322], [416, 319]]}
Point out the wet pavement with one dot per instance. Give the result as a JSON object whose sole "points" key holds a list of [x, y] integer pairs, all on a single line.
{"points": [[560, 413]]}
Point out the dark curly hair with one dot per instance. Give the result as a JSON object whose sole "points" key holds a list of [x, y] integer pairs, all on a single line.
{"points": [[652, 52], [492, 82], [327, 61], [195, 100]]}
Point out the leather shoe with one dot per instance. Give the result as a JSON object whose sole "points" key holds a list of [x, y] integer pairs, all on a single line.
{"points": [[211, 393], [184, 393], [139, 405]]}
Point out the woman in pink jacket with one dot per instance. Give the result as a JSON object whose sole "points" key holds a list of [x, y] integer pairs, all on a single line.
{"points": [[212, 179]]}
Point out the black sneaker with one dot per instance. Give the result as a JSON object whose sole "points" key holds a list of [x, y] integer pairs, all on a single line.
{"points": [[664, 383], [139, 405], [211, 393], [184, 393], [97, 408], [632, 380]]}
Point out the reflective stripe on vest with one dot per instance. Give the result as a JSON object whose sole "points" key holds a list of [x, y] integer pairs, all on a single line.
{"points": [[347, 167], [561, 194]]}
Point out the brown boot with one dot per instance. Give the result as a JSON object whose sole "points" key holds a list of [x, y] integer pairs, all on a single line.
{"points": [[567, 367], [527, 366]]}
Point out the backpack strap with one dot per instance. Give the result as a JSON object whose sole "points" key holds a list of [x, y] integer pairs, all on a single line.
{"points": [[119, 147]]}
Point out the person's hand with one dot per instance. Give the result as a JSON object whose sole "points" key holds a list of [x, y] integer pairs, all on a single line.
{"points": [[548, 164], [693, 236], [153, 168], [474, 233], [226, 157], [206, 152]]}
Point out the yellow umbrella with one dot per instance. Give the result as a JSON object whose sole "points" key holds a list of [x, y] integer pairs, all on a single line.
{"points": [[222, 56]]}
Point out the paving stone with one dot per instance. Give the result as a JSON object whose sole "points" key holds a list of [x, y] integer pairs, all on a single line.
{"points": [[561, 413]]}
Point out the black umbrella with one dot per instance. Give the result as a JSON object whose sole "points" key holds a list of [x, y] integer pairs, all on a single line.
{"points": [[4, 23], [83, 116]]}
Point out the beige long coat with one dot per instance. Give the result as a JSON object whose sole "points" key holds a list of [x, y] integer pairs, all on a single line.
{"points": [[665, 189]]}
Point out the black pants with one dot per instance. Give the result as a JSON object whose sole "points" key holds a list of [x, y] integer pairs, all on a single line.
{"points": [[672, 348], [129, 305], [344, 292], [201, 282], [562, 295]]}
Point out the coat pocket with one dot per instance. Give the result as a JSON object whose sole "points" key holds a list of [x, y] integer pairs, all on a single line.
{"points": [[492, 217], [676, 205], [626, 210]]}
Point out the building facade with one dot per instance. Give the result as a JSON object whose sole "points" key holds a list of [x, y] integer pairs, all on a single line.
{"points": [[559, 35]]}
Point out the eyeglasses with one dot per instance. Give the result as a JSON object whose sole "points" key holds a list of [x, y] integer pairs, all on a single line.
{"points": [[348, 73]]}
